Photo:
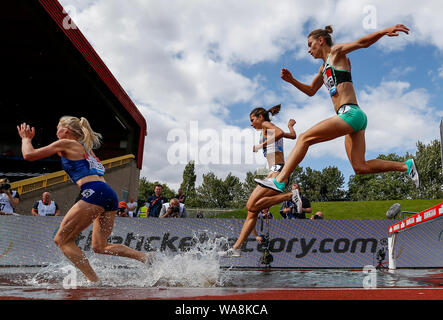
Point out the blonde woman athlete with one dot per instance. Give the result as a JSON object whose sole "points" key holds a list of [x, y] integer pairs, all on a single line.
{"points": [[99, 202]]}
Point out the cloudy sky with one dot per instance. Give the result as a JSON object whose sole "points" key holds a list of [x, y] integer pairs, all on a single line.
{"points": [[195, 70]]}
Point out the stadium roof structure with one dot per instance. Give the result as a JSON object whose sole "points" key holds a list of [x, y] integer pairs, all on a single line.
{"points": [[49, 69]]}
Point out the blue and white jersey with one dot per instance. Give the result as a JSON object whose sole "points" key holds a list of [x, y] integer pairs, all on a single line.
{"points": [[77, 169], [277, 146]]}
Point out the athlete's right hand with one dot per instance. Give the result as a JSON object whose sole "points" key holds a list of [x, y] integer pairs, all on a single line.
{"points": [[392, 31], [25, 131], [286, 75], [291, 123]]}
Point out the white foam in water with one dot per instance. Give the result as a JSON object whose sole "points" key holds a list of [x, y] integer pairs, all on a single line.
{"points": [[198, 267]]}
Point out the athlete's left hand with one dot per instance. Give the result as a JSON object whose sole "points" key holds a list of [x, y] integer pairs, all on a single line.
{"points": [[25, 131]]}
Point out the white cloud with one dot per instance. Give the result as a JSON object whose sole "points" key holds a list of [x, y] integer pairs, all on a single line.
{"points": [[398, 117], [179, 62]]}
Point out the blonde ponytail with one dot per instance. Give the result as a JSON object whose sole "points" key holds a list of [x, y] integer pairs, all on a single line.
{"points": [[91, 139]]}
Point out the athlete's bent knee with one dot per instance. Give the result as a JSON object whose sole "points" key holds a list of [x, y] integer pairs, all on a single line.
{"points": [[57, 241], [306, 139], [60, 241], [252, 208]]}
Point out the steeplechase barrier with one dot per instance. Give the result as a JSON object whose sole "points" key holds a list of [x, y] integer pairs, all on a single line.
{"points": [[28, 241], [417, 239]]}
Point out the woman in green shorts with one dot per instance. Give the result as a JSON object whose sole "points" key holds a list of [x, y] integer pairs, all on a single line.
{"points": [[350, 120]]}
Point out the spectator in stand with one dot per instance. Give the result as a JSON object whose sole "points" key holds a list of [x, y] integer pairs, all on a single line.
{"points": [[155, 202], [45, 206], [199, 214], [9, 199], [265, 214], [122, 210], [317, 215], [173, 209], [142, 210], [132, 207], [181, 197], [289, 210]]}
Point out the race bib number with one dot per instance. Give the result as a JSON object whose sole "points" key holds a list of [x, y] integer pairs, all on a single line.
{"points": [[95, 165], [328, 80]]}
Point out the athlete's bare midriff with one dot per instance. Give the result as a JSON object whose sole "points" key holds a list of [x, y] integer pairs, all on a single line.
{"points": [[345, 94], [90, 178], [275, 158]]}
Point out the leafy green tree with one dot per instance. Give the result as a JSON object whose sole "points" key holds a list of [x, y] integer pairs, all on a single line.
{"points": [[331, 184], [429, 165], [325, 185], [211, 191], [310, 182], [218, 193], [380, 186], [188, 185], [396, 185], [249, 184], [233, 188]]}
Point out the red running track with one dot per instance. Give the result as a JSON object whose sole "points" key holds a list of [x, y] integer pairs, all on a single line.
{"points": [[404, 293], [334, 294]]}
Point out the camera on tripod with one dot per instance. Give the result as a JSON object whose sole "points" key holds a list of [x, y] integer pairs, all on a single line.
{"points": [[267, 257]]}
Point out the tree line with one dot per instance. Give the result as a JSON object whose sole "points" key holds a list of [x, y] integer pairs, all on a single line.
{"points": [[327, 184]]}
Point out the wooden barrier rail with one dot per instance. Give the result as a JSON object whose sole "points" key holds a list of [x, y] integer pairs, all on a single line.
{"points": [[47, 180]]}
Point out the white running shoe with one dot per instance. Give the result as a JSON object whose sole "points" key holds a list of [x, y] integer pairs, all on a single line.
{"points": [[412, 172], [230, 253], [297, 200], [271, 184]]}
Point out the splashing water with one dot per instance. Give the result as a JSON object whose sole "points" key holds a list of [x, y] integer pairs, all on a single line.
{"points": [[197, 267]]}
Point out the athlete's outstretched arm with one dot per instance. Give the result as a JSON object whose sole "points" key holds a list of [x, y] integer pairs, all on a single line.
{"points": [[291, 134], [28, 151], [368, 40], [311, 89]]}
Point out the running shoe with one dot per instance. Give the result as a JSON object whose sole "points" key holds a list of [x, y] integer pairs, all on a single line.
{"points": [[297, 200], [271, 183], [412, 172], [230, 253]]}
